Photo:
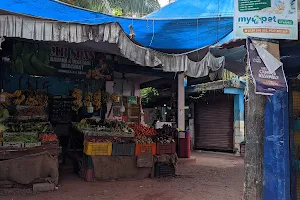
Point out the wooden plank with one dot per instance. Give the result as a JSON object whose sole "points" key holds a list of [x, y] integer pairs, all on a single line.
{"points": [[11, 153]]}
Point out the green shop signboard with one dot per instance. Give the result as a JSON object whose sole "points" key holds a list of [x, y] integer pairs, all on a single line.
{"points": [[252, 5], [45, 60]]}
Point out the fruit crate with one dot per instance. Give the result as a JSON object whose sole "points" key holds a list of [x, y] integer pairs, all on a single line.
{"points": [[123, 149], [166, 148], [13, 144], [97, 149], [164, 169], [145, 149], [87, 162], [7, 134], [36, 144]]}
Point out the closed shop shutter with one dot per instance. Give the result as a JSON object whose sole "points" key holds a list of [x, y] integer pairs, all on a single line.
{"points": [[214, 123]]}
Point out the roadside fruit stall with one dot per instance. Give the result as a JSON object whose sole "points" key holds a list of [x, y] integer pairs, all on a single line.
{"points": [[56, 106]]}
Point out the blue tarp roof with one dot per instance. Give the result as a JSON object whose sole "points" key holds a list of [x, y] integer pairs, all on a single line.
{"points": [[187, 9], [202, 28]]}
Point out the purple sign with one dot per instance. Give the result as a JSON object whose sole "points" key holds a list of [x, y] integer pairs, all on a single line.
{"points": [[266, 83]]}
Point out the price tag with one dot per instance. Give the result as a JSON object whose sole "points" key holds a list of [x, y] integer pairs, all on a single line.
{"points": [[132, 100]]}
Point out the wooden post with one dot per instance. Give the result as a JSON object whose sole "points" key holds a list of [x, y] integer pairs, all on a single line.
{"points": [[255, 126]]}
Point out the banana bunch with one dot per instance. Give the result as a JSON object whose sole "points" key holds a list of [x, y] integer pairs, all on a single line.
{"points": [[42, 100], [36, 98], [77, 103], [97, 99], [31, 101], [87, 99], [115, 98], [19, 99], [105, 97], [17, 93], [8, 97]]}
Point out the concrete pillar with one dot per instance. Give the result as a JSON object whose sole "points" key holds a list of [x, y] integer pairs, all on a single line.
{"points": [[137, 89], [180, 102], [239, 113]]}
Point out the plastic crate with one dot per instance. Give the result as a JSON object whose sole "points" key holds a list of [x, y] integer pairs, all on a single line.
{"points": [[87, 162], [98, 149], [145, 149], [123, 149], [165, 148], [36, 144], [13, 144], [164, 169], [8, 134]]}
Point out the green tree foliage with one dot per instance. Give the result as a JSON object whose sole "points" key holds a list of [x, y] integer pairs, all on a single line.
{"points": [[118, 7], [148, 94]]}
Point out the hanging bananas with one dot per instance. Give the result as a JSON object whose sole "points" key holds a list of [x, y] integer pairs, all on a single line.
{"points": [[115, 98], [77, 103], [87, 99], [97, 99]]}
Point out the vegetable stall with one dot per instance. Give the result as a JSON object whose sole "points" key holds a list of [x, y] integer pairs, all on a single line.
{"points": [[117, 150]]}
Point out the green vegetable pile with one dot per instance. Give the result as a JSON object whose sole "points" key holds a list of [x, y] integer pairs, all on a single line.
{"points": [[22, 138], [28, 127]]}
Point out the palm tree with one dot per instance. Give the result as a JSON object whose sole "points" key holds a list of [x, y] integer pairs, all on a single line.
{"points": [[118, 7]]}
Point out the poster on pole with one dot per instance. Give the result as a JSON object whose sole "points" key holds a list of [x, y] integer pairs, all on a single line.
{"points": [[272, 19], [266, 82]]}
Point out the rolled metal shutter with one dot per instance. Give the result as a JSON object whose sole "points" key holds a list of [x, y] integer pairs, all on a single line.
{"points": [[214, 123]]}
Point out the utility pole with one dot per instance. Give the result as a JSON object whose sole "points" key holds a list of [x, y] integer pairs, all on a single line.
{"points": [[255, 126]]}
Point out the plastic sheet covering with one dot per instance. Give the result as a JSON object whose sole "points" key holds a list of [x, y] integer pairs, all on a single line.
{"points": [[47, 30], [182, 26], [34, 168]]}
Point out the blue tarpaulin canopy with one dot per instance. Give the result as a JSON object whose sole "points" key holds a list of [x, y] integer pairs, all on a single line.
{"points": [[179, 27], [52, 21]]}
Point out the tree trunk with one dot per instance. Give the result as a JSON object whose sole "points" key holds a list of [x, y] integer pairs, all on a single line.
{"points": [[254, 143]]}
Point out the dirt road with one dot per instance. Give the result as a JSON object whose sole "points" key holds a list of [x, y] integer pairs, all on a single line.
{"points": [[213, 177]]}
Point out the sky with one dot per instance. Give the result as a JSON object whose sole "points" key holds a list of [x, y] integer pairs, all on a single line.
{"points": [[163, 2]]}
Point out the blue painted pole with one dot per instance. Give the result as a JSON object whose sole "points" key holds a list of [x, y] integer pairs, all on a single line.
{"points": [[276, 185]]}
